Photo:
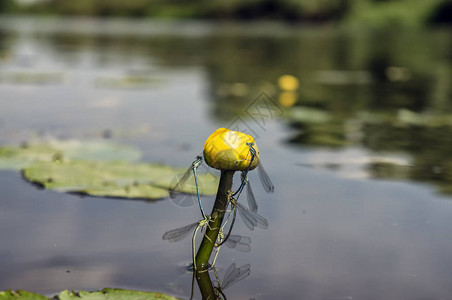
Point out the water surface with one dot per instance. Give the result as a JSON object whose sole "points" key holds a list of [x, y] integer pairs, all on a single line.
{"points": [[359, 154]]}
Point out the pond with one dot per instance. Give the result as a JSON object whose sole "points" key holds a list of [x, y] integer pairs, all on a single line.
{"points": [[358, 147]]}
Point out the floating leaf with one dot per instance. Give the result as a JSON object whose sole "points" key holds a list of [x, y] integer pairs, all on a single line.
{"points": [[22, 77], [20, 157], [96, 168], [408, 117], [108, 293], [21, 295], [111, 179], [389, 170], [338, 77], [113, 294], [309, 115], [129, 82], [95, 150]]}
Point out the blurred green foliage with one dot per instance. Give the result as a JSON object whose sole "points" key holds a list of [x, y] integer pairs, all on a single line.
{"points": [[383, 90], [373, 12], [7, 6]]}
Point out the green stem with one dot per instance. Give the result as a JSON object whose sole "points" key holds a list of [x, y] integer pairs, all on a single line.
{"points": [[208, 242], [205, 285]]}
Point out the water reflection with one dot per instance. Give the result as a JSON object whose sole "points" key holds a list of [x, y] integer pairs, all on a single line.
{"points": [[231, 276]]}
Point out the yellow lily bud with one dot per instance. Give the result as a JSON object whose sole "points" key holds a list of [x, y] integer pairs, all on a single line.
{"points": [[288, 83], [228, 150]]}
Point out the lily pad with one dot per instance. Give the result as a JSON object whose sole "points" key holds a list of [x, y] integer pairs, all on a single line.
{"points": [[114, 294], [20, 157], [21, 295], [96, 150], [128, 82], [96, 168], [105, 294], [22, 77], [111, 179], [309, 115]]}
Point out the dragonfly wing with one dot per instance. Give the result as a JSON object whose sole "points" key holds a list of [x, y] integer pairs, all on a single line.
{"points": [[236, 275], [238, 242], [178, 186], [245, 240], [180, 233], [247, 216], [261, 222], [232, 241], [265, 180], [252, 204], [243, 247], [229, 271], [228, 278]]}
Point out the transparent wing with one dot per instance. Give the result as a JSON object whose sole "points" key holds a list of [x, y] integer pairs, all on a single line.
{"points": [[238, 242], [265, 180], [261, 222], [180, 233], [241, 247], [229, 271], [177, 187], [234, 274], [252, 204], [247, 216], [233, 240], [252, 219]]}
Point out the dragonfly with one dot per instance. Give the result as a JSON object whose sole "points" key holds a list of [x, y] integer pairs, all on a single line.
{"points": [[250, 218], [263, 176], [232, 241], [180, 233], [176, 189]]}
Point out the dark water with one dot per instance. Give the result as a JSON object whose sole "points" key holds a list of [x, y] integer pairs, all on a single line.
{"points": [[360, 154]]}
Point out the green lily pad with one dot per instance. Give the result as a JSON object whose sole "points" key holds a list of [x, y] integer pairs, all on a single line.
{"points": [[96, 168], [21, 295], [96, 150], [22, 77], [114, 294], [20, 157], [309, 115], [111, 179], [128, 82], [105, 294]]}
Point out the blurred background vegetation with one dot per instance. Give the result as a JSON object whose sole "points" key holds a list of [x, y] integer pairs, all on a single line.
{"points": [[387, 90], [373, 12]]}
